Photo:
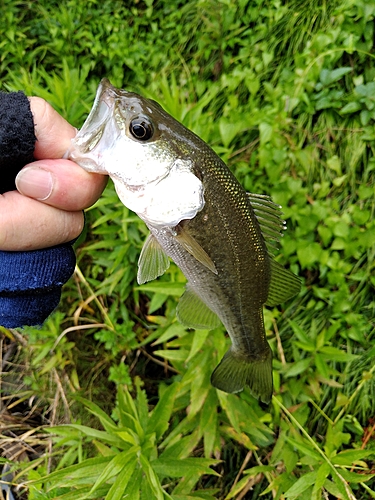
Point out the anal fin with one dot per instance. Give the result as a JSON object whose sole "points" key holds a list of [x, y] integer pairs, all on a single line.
{"points": [[193, 312]]}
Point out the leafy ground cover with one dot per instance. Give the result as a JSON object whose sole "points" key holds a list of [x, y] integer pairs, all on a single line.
{"points": [[285, 94]]}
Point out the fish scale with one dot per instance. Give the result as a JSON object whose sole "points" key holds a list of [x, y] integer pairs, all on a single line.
{"points": [[199, 215]]}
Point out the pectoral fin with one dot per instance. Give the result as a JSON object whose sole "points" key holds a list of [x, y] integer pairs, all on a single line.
{"points": [[284, 284], [193, 247], [153, 261], [193, 312]]}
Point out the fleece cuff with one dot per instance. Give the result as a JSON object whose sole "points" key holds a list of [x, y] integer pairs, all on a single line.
{"points": [[30, 284], [17, 137]]}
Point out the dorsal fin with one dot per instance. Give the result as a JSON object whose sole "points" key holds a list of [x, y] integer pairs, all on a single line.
{"points": [[284, 284], [268, 215]]}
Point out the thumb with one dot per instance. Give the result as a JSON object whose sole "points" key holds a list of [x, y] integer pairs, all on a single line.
{"points": [[52, 131]]}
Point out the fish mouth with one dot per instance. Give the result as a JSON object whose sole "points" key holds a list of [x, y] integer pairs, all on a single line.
{"points": [[110, 102], [93, 129], [101, 112]]}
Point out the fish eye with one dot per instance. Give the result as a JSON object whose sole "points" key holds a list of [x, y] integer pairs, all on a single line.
{"points": [[141, 129]]}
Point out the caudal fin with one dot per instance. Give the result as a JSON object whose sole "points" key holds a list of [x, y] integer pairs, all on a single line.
{"points": [[233, 373]]}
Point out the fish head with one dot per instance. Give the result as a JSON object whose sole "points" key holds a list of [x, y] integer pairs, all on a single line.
{"points": [[140, 146]]}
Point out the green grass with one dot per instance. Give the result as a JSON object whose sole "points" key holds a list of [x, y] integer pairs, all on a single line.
{"points": [[285, 95]]}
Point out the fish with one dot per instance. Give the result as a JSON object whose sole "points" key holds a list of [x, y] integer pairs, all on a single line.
{"points": [[221, 237]]}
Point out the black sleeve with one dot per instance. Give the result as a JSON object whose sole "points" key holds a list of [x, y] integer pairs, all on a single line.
{"points": [[17, 137]]}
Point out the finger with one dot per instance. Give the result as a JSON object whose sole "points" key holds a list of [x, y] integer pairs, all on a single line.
{"points": [[27, 224], [53, 132], [61, 184]]}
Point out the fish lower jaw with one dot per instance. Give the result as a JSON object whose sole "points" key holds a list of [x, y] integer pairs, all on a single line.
{"points": [[88, 164]]}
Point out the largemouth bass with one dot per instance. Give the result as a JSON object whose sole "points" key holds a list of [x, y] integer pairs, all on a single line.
{"points": [[199, 215]]}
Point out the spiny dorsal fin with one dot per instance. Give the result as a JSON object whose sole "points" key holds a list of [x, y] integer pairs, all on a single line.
{"points": [[284, 284], [193, 247], [269, 218], [193, 312], [153, 261]]}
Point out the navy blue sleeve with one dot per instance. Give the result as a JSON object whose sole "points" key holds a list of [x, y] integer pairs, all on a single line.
{"points": [[30, 282]]}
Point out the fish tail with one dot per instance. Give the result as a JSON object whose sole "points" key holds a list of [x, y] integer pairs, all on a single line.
{"points": [[234, 372]]}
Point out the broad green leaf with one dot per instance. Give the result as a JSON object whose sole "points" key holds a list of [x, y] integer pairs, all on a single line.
{"points": [[310, 254], [304, 448], [353, 477], [82, 494], [108, 424], [265, 132], [330, 76], [257, 469], [174, 330], [321, 366], [152, 478], [301, 485], [208, 424], [199, 339], [85, 472], [172, 354], [142, 404], [323, 472], [300, 333], [200, 387], [342, 485], [290, 458], [129, 437], [156, 302], [228, 403], [200, 495], [298, 367], [348, 457], [107, 437], [237, 488], [182, 467], [135, 483], [333, 353], [127, 408], [163, 287], [229, 130], [351, 107], [118, 488], [161, 414], [119, 463]]}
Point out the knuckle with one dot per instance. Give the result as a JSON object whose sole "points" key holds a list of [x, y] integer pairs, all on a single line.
{"points": [[72, 226], [7, 229]]}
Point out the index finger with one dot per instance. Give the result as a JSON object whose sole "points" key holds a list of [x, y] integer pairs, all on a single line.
{"points": [[53, 132]]}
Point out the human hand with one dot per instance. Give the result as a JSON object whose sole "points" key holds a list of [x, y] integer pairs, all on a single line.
{"points": [[52, 192]]}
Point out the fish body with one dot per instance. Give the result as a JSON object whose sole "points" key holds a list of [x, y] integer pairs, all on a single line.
{"points": [[199, 215]]}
